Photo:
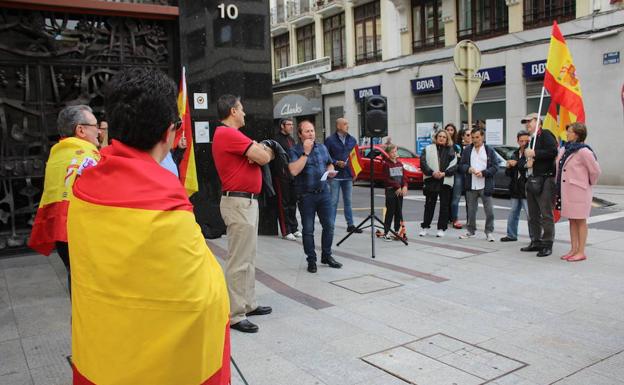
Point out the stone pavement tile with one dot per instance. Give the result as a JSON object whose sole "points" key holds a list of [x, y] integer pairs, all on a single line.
{"points": [[59, 374], [512, 379], [332, 368], [33, 320], [543, 367], [480, 363], [507, 307], [13, 359], [271, 369], [49, 349], [23, 260], [43, 272], [384, 379], [416, 368], [4, 291], [422, 305], [446, 252], [478, 321], [360, 344], [597, 329], [612, 367], [586, 377], [24, 293], [366, 284], [8, 327], [16, 378], [369, 325], [437, 345]]}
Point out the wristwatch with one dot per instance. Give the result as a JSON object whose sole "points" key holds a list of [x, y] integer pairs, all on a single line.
{"points": [[304, 154]]}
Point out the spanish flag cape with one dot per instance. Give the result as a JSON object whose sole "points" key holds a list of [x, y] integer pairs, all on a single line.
{"points": [[51, 219], [149, 300]]}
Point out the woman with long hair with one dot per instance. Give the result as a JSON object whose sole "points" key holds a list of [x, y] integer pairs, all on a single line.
{"points": [[577, 171]]}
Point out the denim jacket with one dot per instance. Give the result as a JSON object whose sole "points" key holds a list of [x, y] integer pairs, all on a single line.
{"points": [[309, 180]]}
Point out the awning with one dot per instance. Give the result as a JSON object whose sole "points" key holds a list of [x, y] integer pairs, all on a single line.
{"points": [[296, 105]]}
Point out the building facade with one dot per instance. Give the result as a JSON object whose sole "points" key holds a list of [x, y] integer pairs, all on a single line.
{"points": [[403, 49]]}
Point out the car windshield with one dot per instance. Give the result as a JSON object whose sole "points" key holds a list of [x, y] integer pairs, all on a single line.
{"points": [[505, 151], [405, 153]]}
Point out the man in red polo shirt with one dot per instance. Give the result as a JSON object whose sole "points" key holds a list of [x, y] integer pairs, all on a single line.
{"points": [[238, 160]]}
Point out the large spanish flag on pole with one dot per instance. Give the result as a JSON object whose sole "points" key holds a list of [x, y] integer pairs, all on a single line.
{"points": [[563, 85], [354, 162], [188, 170], [65, 159], [149, 299]]}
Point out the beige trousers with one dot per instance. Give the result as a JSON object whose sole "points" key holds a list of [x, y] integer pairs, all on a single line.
{"points": [[241, 218]]}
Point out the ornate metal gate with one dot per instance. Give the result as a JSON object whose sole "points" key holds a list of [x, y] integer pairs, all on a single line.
{"points": [[47, 61]]}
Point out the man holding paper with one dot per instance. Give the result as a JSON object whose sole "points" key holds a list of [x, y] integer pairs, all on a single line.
{"points": [[311, 166]]}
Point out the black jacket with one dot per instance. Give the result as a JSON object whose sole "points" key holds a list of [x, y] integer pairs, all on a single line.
{"points": [[517, 174], [546, 148], [488, 173]]}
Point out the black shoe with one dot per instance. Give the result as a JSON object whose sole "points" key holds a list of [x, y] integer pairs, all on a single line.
{"points": [[260, 310], [531, 247], [353, 229], [312, 267], [331, 262], [508, 239], [544, 252], [245, 326]]}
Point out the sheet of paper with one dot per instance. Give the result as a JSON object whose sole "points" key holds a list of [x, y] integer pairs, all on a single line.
{"points": [[324, 177]]}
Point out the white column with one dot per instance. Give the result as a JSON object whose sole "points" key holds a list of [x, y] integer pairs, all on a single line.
{"points": [[349, 34], [516, 17], [292, 36], [319, 43], [449, 18], [390, 30]]}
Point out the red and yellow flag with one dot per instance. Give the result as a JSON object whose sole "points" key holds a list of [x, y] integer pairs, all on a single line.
{"points": [[563, 85], [354, 161], [188, 170], [149, 299], [50, 223]]}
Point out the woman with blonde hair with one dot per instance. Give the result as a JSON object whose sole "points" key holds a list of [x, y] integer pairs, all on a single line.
{"points": [[577, 171], [438, 163]]}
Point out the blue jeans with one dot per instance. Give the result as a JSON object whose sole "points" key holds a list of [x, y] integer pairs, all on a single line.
{"points": [[458, 187], [514, 216], [309, 206], [347, 187]]}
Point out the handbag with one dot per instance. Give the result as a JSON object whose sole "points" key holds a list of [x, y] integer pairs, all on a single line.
{"points": [[535, 184]]}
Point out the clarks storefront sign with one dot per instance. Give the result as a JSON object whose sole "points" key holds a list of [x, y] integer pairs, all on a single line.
{"points": [[296, 105]]}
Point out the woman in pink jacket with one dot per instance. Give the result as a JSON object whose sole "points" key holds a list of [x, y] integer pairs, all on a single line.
{"points": [[577, 171]]}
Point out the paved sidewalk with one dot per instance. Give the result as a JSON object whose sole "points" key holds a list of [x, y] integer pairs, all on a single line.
{"points": [[439, 311]]}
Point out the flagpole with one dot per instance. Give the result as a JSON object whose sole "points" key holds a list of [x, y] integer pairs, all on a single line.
{"points": [[539, 114]]}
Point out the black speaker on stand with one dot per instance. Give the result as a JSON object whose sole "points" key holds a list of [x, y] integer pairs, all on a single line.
{"points": [[374, 125]]}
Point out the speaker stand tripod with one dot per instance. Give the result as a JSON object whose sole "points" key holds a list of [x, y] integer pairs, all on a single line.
{"points": [[371, 217]]}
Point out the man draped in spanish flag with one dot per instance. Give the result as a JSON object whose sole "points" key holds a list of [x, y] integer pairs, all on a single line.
{"points": [[77, 148], [149, 301]]}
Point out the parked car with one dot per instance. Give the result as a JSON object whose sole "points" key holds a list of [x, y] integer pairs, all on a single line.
{"points": [[411, 165], [501, 181]]}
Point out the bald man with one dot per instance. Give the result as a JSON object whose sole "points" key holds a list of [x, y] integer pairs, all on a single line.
{"points": [[339, 146]]}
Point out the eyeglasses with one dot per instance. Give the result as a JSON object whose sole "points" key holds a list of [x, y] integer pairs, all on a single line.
{"points": [[88, 124], [177, 125]]}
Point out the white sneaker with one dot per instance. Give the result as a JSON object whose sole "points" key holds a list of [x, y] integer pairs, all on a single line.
{"points": [[290, 237], [489, 237], [423, 232], [440, 233], [298, 234], [387, 238], [467, 236]]}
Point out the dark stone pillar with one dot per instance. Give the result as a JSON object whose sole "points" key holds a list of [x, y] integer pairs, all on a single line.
{"points": [[227, 55]]}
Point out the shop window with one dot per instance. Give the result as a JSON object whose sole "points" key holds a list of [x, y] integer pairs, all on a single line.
{"points": [[428, 29], [281, 52], [305, 43], [480, 19], [538, 13], [367, 20], [489, 110], [335, 40]]}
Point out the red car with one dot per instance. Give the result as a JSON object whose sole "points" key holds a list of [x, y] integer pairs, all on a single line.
{"points": [[411, 165]]}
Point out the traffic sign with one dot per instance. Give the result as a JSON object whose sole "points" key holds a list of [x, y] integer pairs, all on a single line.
{"points": [[467, 88], [467, 57]]}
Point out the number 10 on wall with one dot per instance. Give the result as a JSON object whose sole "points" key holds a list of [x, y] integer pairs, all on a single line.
{"points": [[229, 11]]}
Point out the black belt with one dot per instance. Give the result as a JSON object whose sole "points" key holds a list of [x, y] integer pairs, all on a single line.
{"points": [[240, 194]]}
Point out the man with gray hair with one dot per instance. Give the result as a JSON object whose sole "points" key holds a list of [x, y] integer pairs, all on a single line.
{"points": [[76, 150]]}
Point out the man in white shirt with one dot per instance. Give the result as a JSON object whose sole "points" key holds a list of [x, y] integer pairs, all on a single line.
{"points": [[478, 163]]}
